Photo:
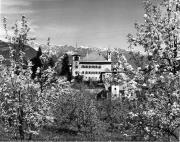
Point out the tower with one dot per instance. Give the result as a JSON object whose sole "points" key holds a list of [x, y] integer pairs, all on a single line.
{"points": [[109, 55], [115, 91], [75, 65]]}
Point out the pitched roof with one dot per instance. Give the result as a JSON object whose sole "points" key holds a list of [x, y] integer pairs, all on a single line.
{"points": [[107, 70], [93, 57]]}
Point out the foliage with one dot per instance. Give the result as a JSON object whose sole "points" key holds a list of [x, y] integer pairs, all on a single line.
{"points": [[25, 105], [138, 59], [65, 70], [37, 63], [77, 110], [156, 115], [78, 78]]}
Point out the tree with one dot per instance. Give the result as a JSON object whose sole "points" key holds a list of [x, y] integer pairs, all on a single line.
{"points": [[138, 59], [37, 63], [157, 111], [25, 107], [117, 110], [65, 70], [77, 110]]}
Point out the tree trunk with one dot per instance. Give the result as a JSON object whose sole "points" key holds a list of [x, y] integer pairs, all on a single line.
{"points": [[109, 106], [20, 118], [21, 131], [30, 137]]}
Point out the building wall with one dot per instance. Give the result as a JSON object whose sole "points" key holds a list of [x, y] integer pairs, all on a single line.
{"points": [[115, 92], [92, 71], [75, 65]]}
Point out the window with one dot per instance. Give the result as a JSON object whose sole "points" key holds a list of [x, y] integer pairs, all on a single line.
{"points": [[86, 72], [76, 66], [82, 72], [76, 58]]}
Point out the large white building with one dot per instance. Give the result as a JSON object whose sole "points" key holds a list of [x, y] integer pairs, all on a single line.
{"points": [[91, 66]]}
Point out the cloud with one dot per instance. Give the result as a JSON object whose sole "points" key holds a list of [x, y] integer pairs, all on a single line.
{"points": [[32, 32], [33, 28], [13, 7], [3, 33], [16, 7], [59, 34], [54, 29], [16, 11], [47, 0], [9, 3]]}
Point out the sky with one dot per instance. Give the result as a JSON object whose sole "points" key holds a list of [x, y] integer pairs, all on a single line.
{"points": [[93, 23]]}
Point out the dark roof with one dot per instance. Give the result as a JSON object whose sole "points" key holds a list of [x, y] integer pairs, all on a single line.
{"points": [[102, 95], [107, 70], [93, 57], [113, 72], [91, 62], [76, 55]]}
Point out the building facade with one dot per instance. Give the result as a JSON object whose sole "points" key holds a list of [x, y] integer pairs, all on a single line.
{"points": [[91, 66]]}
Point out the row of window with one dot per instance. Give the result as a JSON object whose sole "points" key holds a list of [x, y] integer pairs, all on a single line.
{"points": [[90, 72], [95, 66], [93, 78]]}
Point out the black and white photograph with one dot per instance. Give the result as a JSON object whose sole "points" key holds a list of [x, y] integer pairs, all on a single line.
{"points": [[90, 70]]}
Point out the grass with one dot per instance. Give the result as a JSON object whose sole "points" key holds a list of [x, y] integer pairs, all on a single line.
{"points": [[69, 135], [58, 134]]}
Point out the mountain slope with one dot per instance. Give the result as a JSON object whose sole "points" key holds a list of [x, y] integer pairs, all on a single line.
{"points": [[4, 50]]}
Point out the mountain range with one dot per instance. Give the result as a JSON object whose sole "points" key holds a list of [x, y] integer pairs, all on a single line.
{"points": [[134, 58], [59, 50]]}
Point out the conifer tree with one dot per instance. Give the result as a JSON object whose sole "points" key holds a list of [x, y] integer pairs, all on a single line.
{"points": [[65, 70]]}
